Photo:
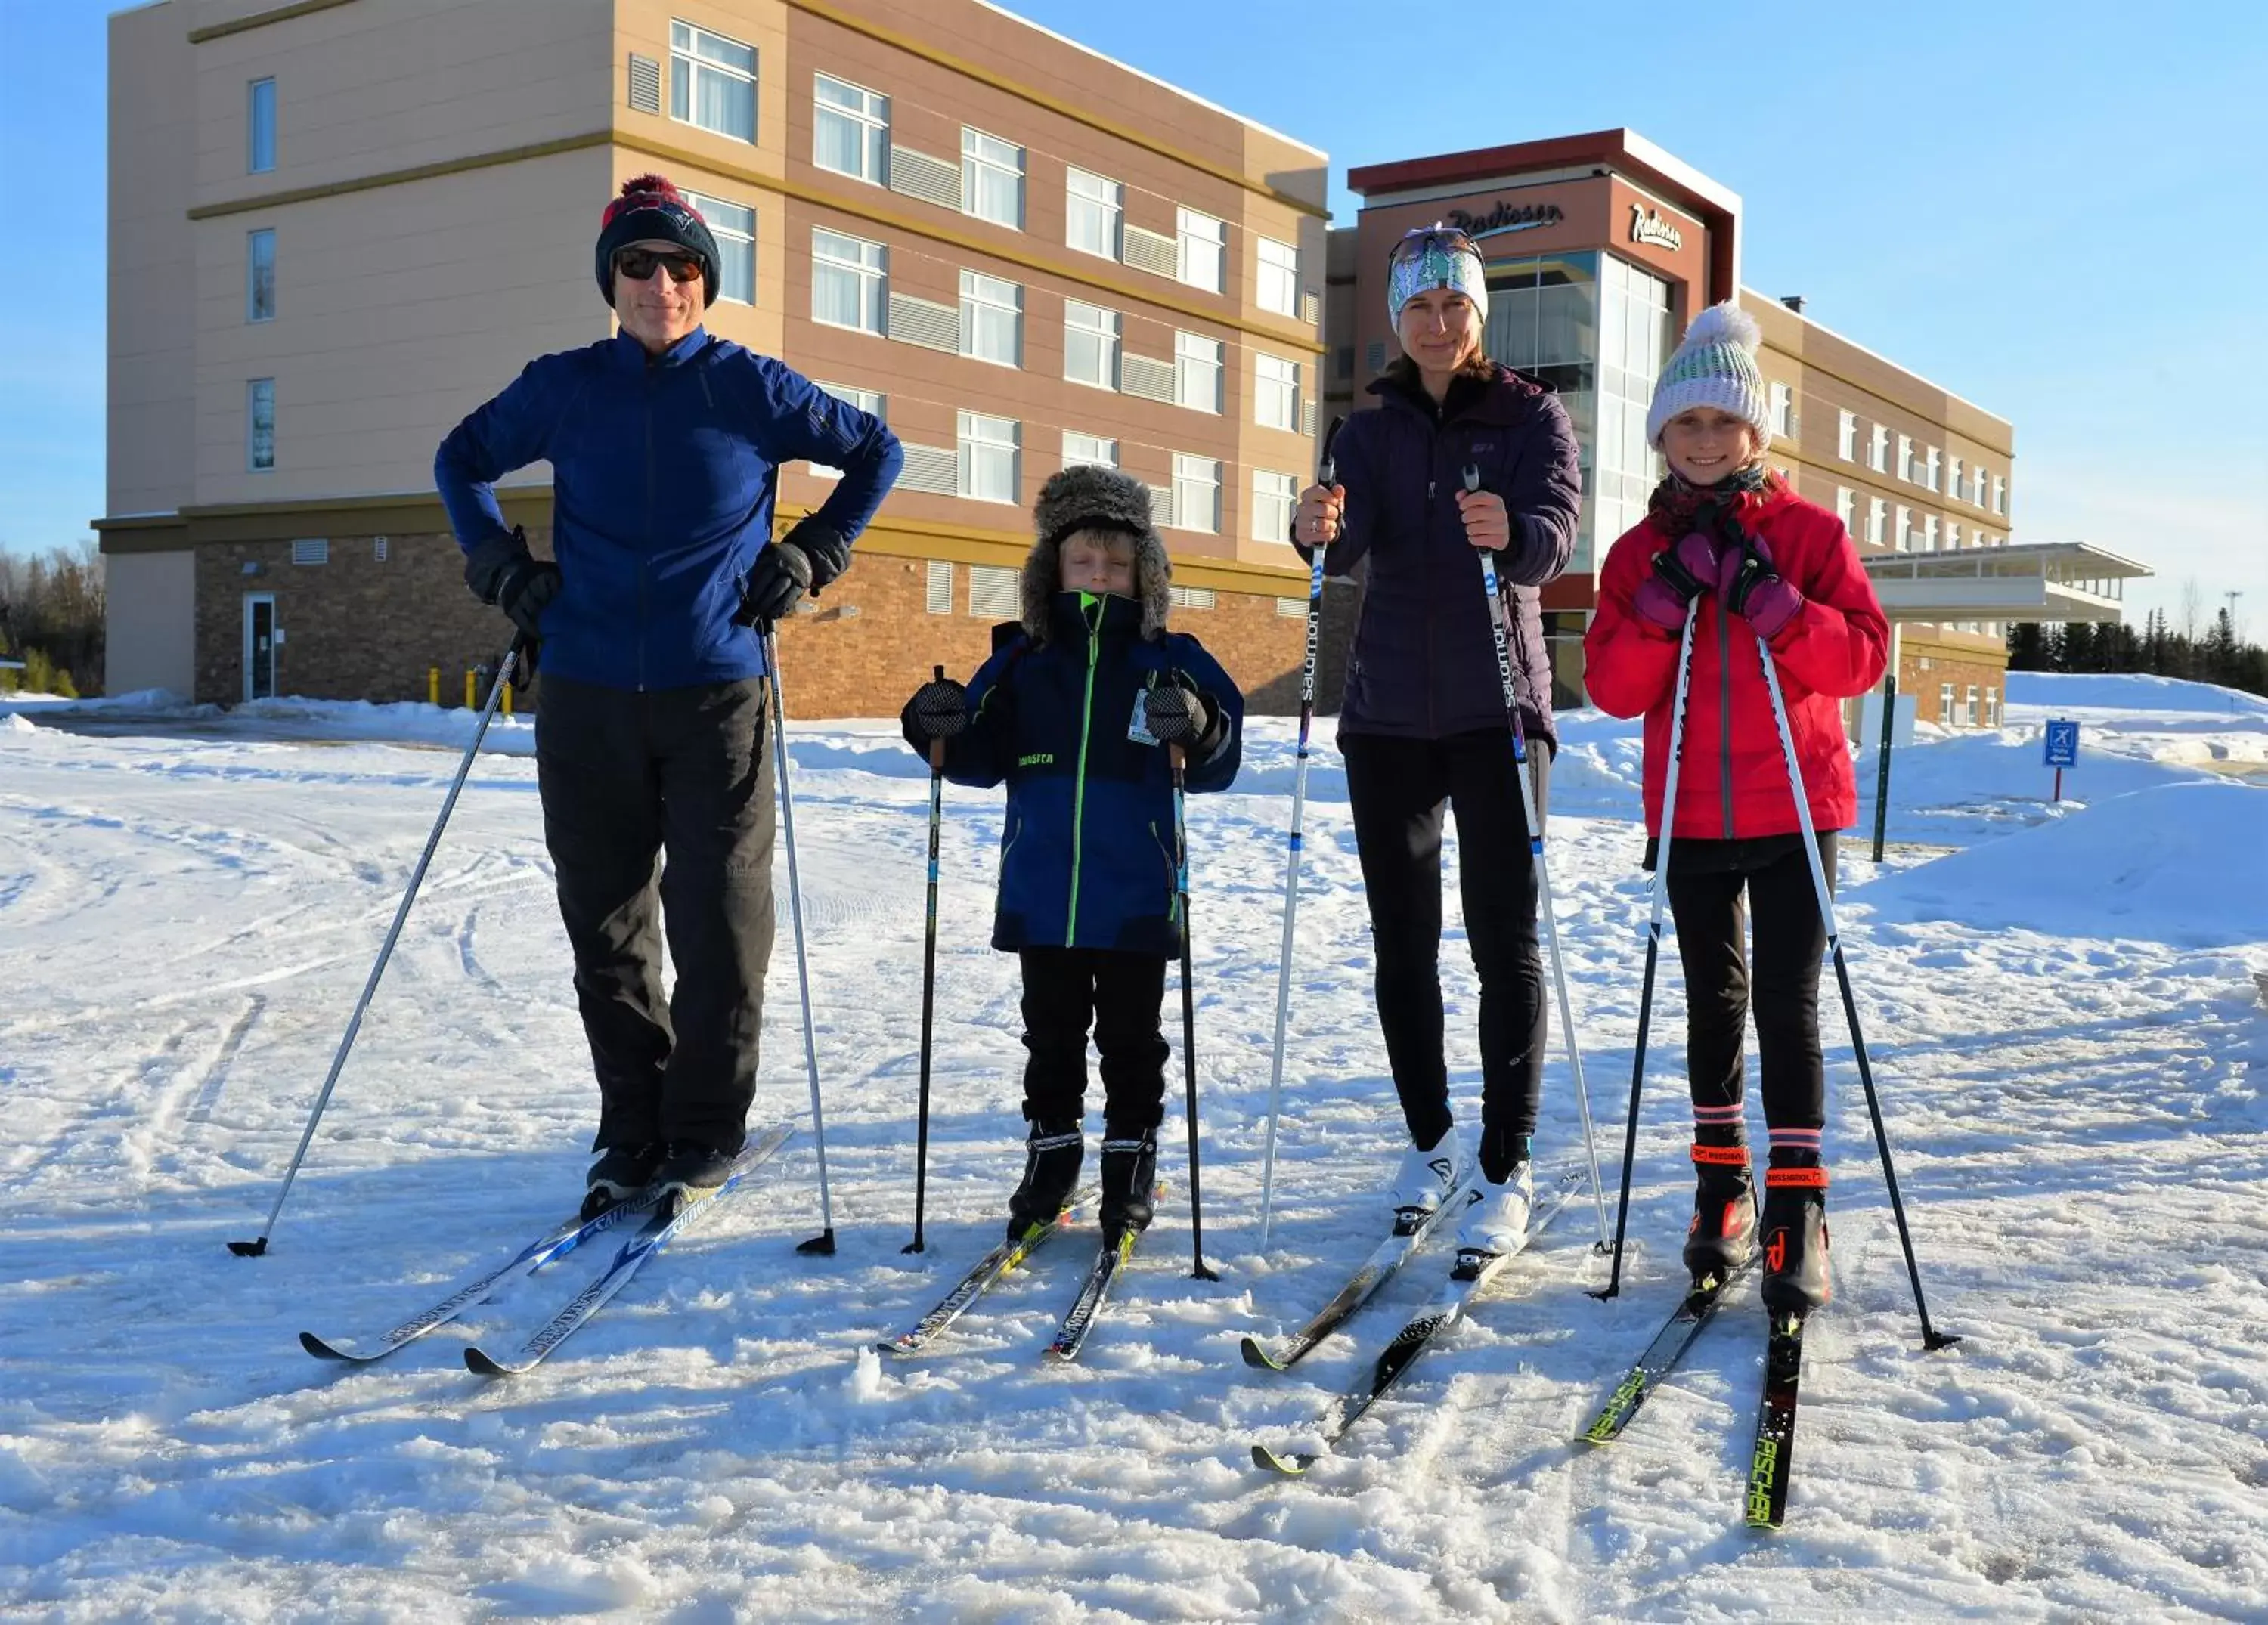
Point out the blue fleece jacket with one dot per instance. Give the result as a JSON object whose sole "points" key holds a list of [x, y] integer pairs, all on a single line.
{"points": [[663, 474]]}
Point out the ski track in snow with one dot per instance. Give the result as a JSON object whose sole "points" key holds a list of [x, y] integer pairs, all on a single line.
{"points": [[184, 926]]}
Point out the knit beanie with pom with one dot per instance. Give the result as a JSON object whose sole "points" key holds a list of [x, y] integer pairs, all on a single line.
{"points": [[650, 209], [1716, 366]]}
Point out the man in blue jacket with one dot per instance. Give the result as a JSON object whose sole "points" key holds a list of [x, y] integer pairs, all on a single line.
{"points": [[665, 445]]}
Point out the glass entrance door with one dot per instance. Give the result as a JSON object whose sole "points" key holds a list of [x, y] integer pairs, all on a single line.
{"points": [[259, 645]]}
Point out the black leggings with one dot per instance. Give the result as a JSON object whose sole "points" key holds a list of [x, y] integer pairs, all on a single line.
{"points": [[1119, 995], [1398, 789], [1781, 978]]}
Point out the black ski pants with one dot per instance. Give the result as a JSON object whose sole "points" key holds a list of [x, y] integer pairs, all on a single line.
{"points": [[1065, 991], [1779, 981], [1399, 789], [657, 809]]}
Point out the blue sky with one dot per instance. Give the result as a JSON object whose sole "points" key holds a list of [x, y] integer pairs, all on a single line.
{"points": [[2057, 210]]}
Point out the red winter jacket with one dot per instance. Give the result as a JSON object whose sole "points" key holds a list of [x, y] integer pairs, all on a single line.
{"points": [[1733, 785]]}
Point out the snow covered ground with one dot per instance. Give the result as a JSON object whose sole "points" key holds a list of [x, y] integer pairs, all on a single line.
{"points": [[2062, 1018]]}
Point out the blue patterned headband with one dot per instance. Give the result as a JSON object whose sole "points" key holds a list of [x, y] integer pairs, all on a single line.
{"points": [[1435, 256]]}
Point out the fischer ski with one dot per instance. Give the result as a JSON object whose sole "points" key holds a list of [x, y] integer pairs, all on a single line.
{"points": [[1661, 1355], [1772, 1467], [1109, 1260], [658, 1232], [981, 1279], [1409, 1237], [1465, 1282]]}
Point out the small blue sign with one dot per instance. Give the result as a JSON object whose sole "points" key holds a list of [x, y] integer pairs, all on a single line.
{"points": [[2063, 745]]}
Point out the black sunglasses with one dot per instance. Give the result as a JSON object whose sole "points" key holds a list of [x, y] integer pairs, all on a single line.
{"points": [[637, 264]]}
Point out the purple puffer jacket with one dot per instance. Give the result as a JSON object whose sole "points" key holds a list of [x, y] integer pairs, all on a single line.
{"points": [[1423, 663]]}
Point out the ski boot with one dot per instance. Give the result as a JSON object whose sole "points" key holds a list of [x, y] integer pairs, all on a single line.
{"points": [[1425, 1178], [1052, 1154], [1496, 1216], [693, 1172], [1795, 1240], [1130, 1184], [1723, 1234], [621, 1172]]}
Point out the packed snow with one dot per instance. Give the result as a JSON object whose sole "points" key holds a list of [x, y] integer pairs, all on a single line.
{"points": [[2059, 1000]]}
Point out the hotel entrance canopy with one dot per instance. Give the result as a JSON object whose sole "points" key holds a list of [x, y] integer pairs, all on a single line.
{"points": [[2039, 581]]}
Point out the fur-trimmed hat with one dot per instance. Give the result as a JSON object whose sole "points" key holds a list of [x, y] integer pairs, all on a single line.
{"points": [[1088, 496], [1716, 366], [651, 210]]}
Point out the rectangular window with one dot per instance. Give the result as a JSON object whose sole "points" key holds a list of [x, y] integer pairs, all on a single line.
{"points": [[1083, 449], [1992, 695], [1971, 707], [1977, 483], [1878, 449], [734, 228], [1846, 432], [1090, 344], [1094, 213], [1197, 372], [988, 458], [992, 178], [1929, 534], [1783, 411], [259, 127], [1200, 253], [260, 424], [1846, 507], [259, 276], [1945, 704], [1274, 496], [712, 82], [1929, 468], [867, 400], [2000, 495], [991, 320], [1277, 286], [1877, 514], [849, 129], [1196, 493], [849, 279], [1905, 458], [1276, 394]]}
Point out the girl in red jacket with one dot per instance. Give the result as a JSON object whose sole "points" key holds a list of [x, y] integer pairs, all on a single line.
{"points": [[1729, 546]]}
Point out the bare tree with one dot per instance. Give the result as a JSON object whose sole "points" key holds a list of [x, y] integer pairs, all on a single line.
{"points": [[2193, 602]]}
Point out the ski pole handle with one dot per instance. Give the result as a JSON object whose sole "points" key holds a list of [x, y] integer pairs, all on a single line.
{"points": [[1327, 471], [937, 747]]}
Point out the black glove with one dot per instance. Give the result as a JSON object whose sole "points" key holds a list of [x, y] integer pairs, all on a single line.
{"points": [[1176, 713], [776, 584], [501, 571], [824, 546], [939, 709]]}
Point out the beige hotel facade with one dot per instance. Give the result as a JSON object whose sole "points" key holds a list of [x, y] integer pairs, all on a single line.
{"points": [[338, 226]]}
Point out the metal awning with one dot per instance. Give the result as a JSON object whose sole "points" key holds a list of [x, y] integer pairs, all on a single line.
{"points": [[2040, 581]]}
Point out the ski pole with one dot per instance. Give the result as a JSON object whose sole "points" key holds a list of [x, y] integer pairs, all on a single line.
{"points": [[254, 1248], [1931, 1338], [1652, 945], [823, 1242], [1500, 623], [1327, 475], [928, 984], [1199, 1270]]}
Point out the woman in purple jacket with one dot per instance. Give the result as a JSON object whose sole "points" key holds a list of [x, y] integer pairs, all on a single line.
{"points": [[1423, 725]]}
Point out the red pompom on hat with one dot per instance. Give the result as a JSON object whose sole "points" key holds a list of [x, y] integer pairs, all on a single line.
{"points": [[651, 210]]}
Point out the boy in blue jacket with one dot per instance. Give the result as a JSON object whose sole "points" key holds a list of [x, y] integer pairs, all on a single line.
{"points": [[1076, 711]]}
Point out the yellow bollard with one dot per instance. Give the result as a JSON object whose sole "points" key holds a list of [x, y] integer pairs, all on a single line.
{"points": [[507, 699], [433, 686], [472, 703]]}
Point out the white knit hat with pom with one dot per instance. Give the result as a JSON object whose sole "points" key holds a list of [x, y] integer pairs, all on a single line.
{"points": [[1716, 366]]}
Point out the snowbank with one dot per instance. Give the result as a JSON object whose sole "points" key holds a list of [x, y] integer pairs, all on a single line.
{"points": [[2128, 692]]}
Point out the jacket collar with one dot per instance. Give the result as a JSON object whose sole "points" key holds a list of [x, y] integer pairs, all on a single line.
{"points": [[1074, 617], [627, 353], [1501, 400]]}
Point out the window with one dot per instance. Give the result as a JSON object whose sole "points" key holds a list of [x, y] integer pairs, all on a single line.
{"points": [[1953, 535], [1976, 486], [1196, 493], [1197, 372], [1971, 706], [848, 278], [260, 424], [2000, 495], [712, 82], [1274, 496], [988, 458], [1093, 213], [867, 400], [259, 276], [1276, 398], [1953, 478], [991, 320], [1945, 704], [1993, 703], [1199, 254], [259, 127], [1846, 432], [734, 228], [1905, 458], [992, 178], [1877, 514], [849, 129], [1878, 449], [1929, 469], [1906, 528], [1846, 507], [1277, 288], [1090, 344], [1783, 411], [1929, 534], [1088, 448]]}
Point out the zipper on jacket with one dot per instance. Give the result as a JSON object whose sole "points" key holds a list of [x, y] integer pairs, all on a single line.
{"points": [[1078, 785], [645, 559], [1725, 714]]}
